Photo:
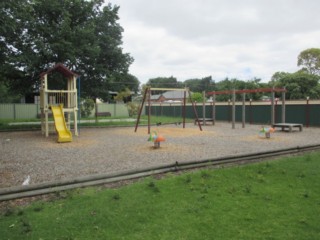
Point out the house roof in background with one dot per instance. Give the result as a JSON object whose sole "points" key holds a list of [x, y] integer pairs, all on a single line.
{"points": [[175, 94]]}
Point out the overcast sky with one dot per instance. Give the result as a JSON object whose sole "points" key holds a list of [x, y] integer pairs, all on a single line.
{"points": [[239, 39]]}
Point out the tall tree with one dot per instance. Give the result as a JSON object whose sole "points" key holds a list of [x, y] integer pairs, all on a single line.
{"points": [[13, 17], [81, 34], [310, 60]]}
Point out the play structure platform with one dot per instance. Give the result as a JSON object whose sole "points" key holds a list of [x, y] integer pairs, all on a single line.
{"points": [[288, 126], [64, 134]]}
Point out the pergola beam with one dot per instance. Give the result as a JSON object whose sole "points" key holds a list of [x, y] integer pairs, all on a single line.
{"points": [[168, 89], [248, 91]]}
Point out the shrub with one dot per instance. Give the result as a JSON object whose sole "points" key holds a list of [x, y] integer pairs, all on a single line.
{"points": [[86, 107]]}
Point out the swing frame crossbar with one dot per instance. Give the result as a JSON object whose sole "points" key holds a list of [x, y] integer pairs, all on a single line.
{"points": [[147, 96]]}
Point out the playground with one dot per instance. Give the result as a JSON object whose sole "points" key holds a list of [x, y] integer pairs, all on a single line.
{"points": [[30, 155], [112, 150]]}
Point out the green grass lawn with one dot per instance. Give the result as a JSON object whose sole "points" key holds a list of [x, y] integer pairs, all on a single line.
{"points": [[278, 199]]}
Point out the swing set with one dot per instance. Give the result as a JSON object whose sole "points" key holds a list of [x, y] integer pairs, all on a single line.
{"points": [[147, 97]]}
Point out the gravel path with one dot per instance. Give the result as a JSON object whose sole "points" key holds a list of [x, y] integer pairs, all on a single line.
{"points": [[110, 150]]}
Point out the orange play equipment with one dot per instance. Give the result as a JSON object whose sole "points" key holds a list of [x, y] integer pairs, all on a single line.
{"points": [[156, 138]]}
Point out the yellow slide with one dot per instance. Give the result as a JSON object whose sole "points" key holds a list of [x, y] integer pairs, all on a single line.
{"points": [[64, 134]]}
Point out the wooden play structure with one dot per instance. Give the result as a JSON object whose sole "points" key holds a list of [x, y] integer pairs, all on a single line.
{"points": [[147, 96], [51, 100]]}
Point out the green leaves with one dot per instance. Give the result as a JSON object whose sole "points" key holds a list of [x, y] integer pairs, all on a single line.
{"points": [[310, 59], [81, 34]]}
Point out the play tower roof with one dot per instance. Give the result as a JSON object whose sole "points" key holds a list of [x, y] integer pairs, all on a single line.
{"points": [[59, 67]]}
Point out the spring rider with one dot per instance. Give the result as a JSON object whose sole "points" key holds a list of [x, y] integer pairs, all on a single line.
{"points": [[156, 139]]}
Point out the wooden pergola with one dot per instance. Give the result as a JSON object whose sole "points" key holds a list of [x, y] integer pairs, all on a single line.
{"points": [[243, 92]]}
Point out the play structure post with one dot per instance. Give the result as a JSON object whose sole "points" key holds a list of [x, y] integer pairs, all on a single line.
{"points": [[76, 110], [283, 111], [204, 107], [272, 107], [233, 108], [243, 110]]}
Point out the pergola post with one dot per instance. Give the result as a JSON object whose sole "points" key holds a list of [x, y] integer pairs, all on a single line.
{"points": [[283, 111], [272, 108], [213, 109], [243, 110], [233, 108], [204, 107]]}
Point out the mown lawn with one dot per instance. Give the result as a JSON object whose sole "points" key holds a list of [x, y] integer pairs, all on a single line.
{"points": [[278, 199]]}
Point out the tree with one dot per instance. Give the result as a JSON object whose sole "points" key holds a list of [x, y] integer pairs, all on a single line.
{"points": [[5, 96], [13, 17], [300, 85], [230, 84], [164, 82], [82, 35], [200, 85], [310, 59], [124, 95], [197, 97], [86, 107]]}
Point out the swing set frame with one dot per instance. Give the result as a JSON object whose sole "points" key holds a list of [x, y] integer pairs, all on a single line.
{"points": [[147, 96]]}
